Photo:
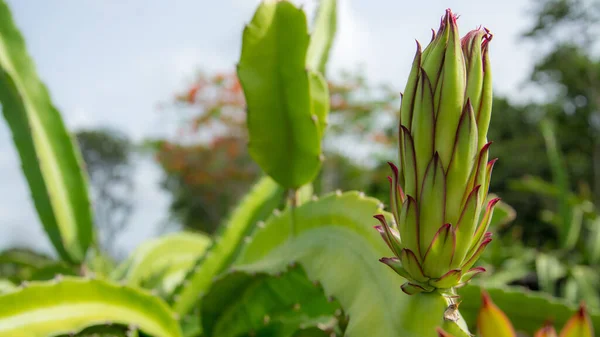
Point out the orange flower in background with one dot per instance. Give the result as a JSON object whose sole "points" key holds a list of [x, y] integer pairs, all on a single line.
{"points": [[493, 322]]}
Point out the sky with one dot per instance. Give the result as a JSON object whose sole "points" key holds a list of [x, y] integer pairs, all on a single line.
{"points": [[111, 62]]}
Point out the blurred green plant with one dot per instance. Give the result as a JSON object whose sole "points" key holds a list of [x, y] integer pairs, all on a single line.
{"points": [[567, 266], [107, 156]]}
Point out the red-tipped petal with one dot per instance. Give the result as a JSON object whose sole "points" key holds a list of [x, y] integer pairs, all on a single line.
{"points": [[491, 321], [488, 175], [411, 289], [448, 280], [433, 196], [396, 193], [409, 226], [412, 266], [440, 252], [481, 232], [579, 325], [394, 168], [471, 261], [546, 331], [466, 226], [466, 277], [390, 236], [482, 163], [409, 163], [396, 266]]}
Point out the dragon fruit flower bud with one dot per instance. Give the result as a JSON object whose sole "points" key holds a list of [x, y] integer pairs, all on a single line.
{"points": [[439, 189]]}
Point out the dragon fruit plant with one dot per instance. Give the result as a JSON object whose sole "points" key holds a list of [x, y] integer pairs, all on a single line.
{"points": [[300, 265], [439, 190]]}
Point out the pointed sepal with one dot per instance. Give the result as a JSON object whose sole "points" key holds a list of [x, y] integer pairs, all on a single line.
{"points": [[409, 163], [579, 325], [409, 225], [433, 55], [411, 264], [477, 175], [412, 289], [465, 228], [450, 89], [396, 265], [433, 196], [477, 253], [389, 235], [448, 280], [484, 111], [397, 196], [408, 97], [440, 252], [484, 224], [461, 163], [423, 125], [471, 46], [493, 322], [546, 331], [466, 277]]}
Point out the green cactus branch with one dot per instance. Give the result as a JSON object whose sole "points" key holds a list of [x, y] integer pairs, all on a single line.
{"points": [[335, 235], [68, 305]]}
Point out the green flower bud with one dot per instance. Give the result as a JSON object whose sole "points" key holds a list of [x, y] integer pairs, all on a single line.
{"points": [[439, 191]]}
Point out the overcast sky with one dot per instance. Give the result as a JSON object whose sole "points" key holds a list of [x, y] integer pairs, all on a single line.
{"points": [[110, 62]]}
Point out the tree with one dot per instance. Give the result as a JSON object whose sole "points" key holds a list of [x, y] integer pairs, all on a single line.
{"points": [[106, 154], [207, 166]]}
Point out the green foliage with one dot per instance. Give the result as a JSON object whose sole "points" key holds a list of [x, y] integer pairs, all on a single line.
{"points": [[239, 303], [333, 235], [527, 311], [49, 157], [69, 305], [264, 197], [568, 230], [18, 265], [107, 156], [567, 266], [323, 34], [283, 122], [164, 261]]}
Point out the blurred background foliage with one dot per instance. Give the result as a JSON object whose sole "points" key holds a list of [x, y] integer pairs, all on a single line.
{"points": [[207, 168]]}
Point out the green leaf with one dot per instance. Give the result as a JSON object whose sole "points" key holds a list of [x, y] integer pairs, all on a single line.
{"points": [[20, 264], [72, 304], [549, 269], [319, 93], [337, 245], [264, 197], [587, 281], [593, 241], [568, 233], [323, 34], [527, 311], [503, 214], [49, 156], [168, 258], [24, 257], [285, 139], [239, 303]]}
